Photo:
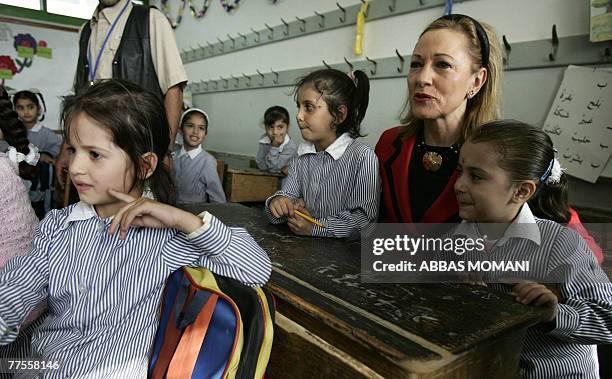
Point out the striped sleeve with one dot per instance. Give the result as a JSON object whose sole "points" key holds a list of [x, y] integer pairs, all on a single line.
{"points": [[24, 281], [362, 202], [291, 189], [585, 309], [226, 251]]}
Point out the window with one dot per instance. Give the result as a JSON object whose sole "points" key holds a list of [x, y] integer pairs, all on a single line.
{"points": [[74, 8], [32, 4]]}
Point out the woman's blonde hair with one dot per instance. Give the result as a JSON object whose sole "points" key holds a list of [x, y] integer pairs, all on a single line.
{"points": [[485, 105]]}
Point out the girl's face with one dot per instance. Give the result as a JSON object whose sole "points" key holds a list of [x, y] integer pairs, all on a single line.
{"points": [[277, 132], [483, 189], [27, 111], [97, 165], [314, 119], [194, 130], [441, 76]]}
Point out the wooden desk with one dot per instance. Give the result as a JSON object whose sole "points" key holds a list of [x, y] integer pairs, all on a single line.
{"points": [[248, 184], [330, 325]]}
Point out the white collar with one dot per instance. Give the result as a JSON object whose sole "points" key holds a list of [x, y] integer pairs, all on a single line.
{"points": [[336, 149], [81, 211], [36, 127], [192, 153], [266, 140], [523, 226]]}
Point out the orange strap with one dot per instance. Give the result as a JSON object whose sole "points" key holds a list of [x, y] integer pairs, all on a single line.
{"points": [[171, 340], [186, 354]]}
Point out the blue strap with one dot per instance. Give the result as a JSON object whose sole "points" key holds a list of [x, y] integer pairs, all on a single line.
{"points": [[448, 9], [92, 74]]}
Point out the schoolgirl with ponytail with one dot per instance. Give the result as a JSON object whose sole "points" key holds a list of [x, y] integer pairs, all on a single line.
{"points": [[334, 179], [503, 165]]}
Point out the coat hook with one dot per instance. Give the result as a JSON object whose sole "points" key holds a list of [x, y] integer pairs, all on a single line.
{"points": [[348, 63], [393, 5], [286, 31], [256, 35], [275, 80], [216, 84], [343, 17], [508, 49], [226, 81], [222, 47], [555, 44], [367, 9], [401, 67], [421, 2], [212, 48], [373, 72], [237, 81], [206, 82], [244, 39], [233, 40], [248, 78], [322, 22], [607, 52], [271, 35], [303, 27], [263, 77], [326, 65]]}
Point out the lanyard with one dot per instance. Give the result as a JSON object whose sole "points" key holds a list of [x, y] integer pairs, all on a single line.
{"points": [[92, 74]]}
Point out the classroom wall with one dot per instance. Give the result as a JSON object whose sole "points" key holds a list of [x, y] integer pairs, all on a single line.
{"points": [[236, 116]]}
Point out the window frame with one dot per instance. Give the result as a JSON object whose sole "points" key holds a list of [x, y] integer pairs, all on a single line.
{"points": [[11, 11]]}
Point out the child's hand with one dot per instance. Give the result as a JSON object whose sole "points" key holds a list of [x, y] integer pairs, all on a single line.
{"points": [[281, 206], [278, 140], [299, 225], [285, 170], [151, 214], [537, 294]]}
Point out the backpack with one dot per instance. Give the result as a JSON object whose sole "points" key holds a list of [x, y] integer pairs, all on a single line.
{"points": [[212, 327]]}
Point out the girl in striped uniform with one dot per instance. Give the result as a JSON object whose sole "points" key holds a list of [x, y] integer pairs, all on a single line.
{"points": [[334, 179], [101, 264], [502, 165]]}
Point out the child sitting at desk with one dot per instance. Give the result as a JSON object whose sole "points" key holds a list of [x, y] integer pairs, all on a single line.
{"points": [[502, 165], [276, 148], [333, 187], [195, 170]]}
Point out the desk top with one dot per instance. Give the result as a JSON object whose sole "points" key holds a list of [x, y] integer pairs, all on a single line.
{"points": [[407, 322]]}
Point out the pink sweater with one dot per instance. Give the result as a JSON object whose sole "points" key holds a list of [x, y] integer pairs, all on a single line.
{"points": [[17, 218]]}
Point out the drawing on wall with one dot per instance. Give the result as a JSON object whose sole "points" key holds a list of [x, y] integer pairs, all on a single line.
{"points": [[580, 122], [26, 48], [601, 20], [26, 52]]}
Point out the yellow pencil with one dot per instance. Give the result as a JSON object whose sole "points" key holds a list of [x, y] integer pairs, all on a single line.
{"points": [[308, 218]]}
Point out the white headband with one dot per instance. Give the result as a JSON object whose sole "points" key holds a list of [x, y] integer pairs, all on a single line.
{"points": [[191, 110]]}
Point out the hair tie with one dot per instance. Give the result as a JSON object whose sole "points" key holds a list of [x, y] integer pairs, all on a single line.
{"points": [[17, 157], [553, 172], [351, 75]]}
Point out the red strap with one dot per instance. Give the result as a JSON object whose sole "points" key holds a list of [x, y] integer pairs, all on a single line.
{"points": [[186, 354]]}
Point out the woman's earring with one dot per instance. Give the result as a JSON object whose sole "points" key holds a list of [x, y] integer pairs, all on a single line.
{"points": [[470, 94]]}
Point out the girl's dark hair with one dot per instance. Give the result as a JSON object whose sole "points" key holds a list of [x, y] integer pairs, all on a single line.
{"points": [[336, 89], [137, 122], [274, 114], [15, 133], [525, 153], [28, 95]]}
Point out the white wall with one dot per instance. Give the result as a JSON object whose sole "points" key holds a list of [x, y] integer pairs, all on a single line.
{"points": [[236, 116], [238, 113]]}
